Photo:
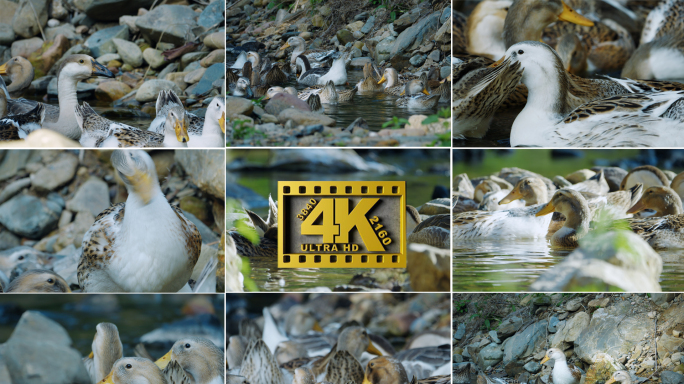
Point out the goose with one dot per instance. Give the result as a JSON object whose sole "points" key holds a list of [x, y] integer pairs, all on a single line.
{"points": [[320, 76], [142, 245], [561, 373], [212, 133], [20, 72], [106, 350], [38, 281], [62, 119]]}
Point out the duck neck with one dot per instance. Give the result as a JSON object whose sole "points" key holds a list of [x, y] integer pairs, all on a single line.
{"points": [[66, 93], [672, 205], [577, 222], [521, 25], [392, 79], [547, 90], [539, 195]]}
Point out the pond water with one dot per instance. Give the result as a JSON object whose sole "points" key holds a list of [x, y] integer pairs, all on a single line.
{"points": [[134, 315], [512, 265]]}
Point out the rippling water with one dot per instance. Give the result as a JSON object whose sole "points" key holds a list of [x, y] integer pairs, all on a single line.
{"points": [[512, 265]]}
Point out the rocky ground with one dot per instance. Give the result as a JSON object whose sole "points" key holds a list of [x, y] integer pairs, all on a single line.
{"points": [[49, 199], [411, 36], [176, 45], [507, 335]]}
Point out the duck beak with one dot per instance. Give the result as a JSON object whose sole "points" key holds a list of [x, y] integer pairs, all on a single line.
{"points": [[365, 380], [498, 62], [181, 128], [638, 207], [382, 80], [548, 208], [425, 91], [402, 93], [317, 327], [3, 69], [286, 46], [372, 349], [100, 70], [571, 16], [512, 196], [92, 355], [546, 358], [108, 380], [222, 122], [164, 361]]}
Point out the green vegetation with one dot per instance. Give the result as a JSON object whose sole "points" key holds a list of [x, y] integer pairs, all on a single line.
{"points": [[242, 131], [395, 123]]}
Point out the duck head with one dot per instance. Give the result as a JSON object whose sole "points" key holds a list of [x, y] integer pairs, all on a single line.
{"points": [[294, 41], [620, 376], [81, 67], [355, 340], [664, 200], [385, 370], [199, 358], [553, 354], [177, 121], [573, 53], [216, 112], [243, 88], [531, 189], [39, 281], [137, 170], [391, 76], [135, 370]]}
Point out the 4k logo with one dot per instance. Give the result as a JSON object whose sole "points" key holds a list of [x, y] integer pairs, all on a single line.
{"points": [[342, 224]]}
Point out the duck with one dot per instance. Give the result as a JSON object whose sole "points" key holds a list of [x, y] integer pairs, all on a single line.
{"points": [[316, 57], [259, 365], [62, 119], [573, 52], [485, 27], [267, 231], [199, 359], [106, 350], [663, 200], [434, 230], [38, 281], [337, 73], [273, 90], [415, 100], [660, 232], [532, 190], [303, 375], [369, 82], [243, 88], [577, 213], [561, 373], [510, 223], [328, 93], [549, 120], [314, 102], [647, 175], [395, 87], [491, 200], [212, 132], [388, 370], [144, 244], [132, 370], [677, 184], [596, 184], [443, 90], [240, 62], [20, 72], [17, 127], [621, 377]]}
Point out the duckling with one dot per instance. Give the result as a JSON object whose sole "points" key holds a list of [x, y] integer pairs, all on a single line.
{"points": [[315, 57], [17, 127], [647, 175], [133, 370], [200, 359], [663, 200], [620, 376], [312, 76], [20, 72], [575, 209], [212, 133], [124, 249], [561, 373], [106, 350], [38, 281]]}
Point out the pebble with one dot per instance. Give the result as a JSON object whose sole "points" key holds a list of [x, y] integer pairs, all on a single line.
{"points": [[154, 58], [56, 173], [30, 216], [149, 90]]}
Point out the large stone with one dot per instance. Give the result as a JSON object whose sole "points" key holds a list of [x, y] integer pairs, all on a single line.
{"points": [[7, 35], [509, 327], [213, 73], [56, 173], [460, 331], [613, 330], [368, 25], [111, 10], [212, 15], [215, 40], [429, 268], [30, 216], [489, 356], [154, 58], [101, 42], [68, 30], [669, 377], [26, 47], [412, 37], [522, 345], [129, 52], [13, 162], [305, 118], [207, 170], [9, 8], [92, 196], [283, 101], [214, 57], [384, 48], [43, 59], [150, 89], [111, 90], [24, 21], [344, 36], [175, 22], [669, 344], [570, 331], [40, 351]]}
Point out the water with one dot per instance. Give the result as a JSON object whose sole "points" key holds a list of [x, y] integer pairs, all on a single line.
{"points": [[134, 315], [512, 265]]}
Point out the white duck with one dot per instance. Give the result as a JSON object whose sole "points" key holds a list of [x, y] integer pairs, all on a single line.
{"points": [[320, 76], [211, 134]]}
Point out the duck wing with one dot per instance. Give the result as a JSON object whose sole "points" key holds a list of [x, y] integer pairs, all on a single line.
{"points": [[174, 374]]}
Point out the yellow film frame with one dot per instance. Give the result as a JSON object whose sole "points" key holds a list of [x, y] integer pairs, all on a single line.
{"points": [[310, 210]]}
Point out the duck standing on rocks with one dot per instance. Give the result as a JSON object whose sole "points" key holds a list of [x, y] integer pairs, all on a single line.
{"points": [[20, 72], [38, 281], [561, 373], [142, 245], [62, 119]]}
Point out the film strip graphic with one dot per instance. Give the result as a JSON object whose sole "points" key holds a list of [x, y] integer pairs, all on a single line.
{"points": [[341, 224]]}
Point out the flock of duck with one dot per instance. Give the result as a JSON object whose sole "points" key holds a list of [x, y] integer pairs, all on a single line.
{"points": [[144, 244], [532, 54], [190, 360], [173, 126], [344, 353], [322, 71], [518, 204]]}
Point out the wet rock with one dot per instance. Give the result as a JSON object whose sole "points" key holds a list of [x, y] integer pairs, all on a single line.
{"points": [[149, 90], [283, 101], [215, 40], [111, 90], [212, 15], [56, 173], [111, 10], [489, 356], [129, 52], [92, 196], [101, 42], [205, 85], [156, 22], [30, 216], [428, 267], [206, 170], [24, 21], [305, 118], [25, 48], [413, 37], [40, 351], [13, 162], [669, 377], [214, 57], [7, 35]]}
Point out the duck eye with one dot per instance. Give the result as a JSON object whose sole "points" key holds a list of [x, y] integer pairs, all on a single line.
{"points": [[187, 345], [50, 280], [81, 61], [520, 52], [372, 365], [128, 366], [20, 257]]}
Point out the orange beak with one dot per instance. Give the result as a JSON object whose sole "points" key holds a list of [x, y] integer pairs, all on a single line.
{"points": [[571, 16]]}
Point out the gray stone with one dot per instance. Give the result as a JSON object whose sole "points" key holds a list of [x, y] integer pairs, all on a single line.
{"points": [[30, 216], [494, 337], [68, 30], [434, 56], [24, 20], [154, 58], [40, 351], [157, 22], [205, 85], [92, 196], [129, 52], [662, 298], [111, 10], [8, 240], [150, 89], [107, 57], [14, 161], [13, 188], [192, 57], [207, 171], [101, 41], [26, 47], [344, 36], [553, 322], [532, 367], [212, 14], [572, 329], [509, 327], [444, 72], [524, 344], [384, 48], [489, 356], [446, 12], [573, 305], [360, 62], [669, 344], [305, 118], [7, 35], [283, 101], [368, 26], [129, 21], [460, 331], [168, 69], [238, 106], [56, 173], [669, 377], [417, 60], [412, 37]]}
